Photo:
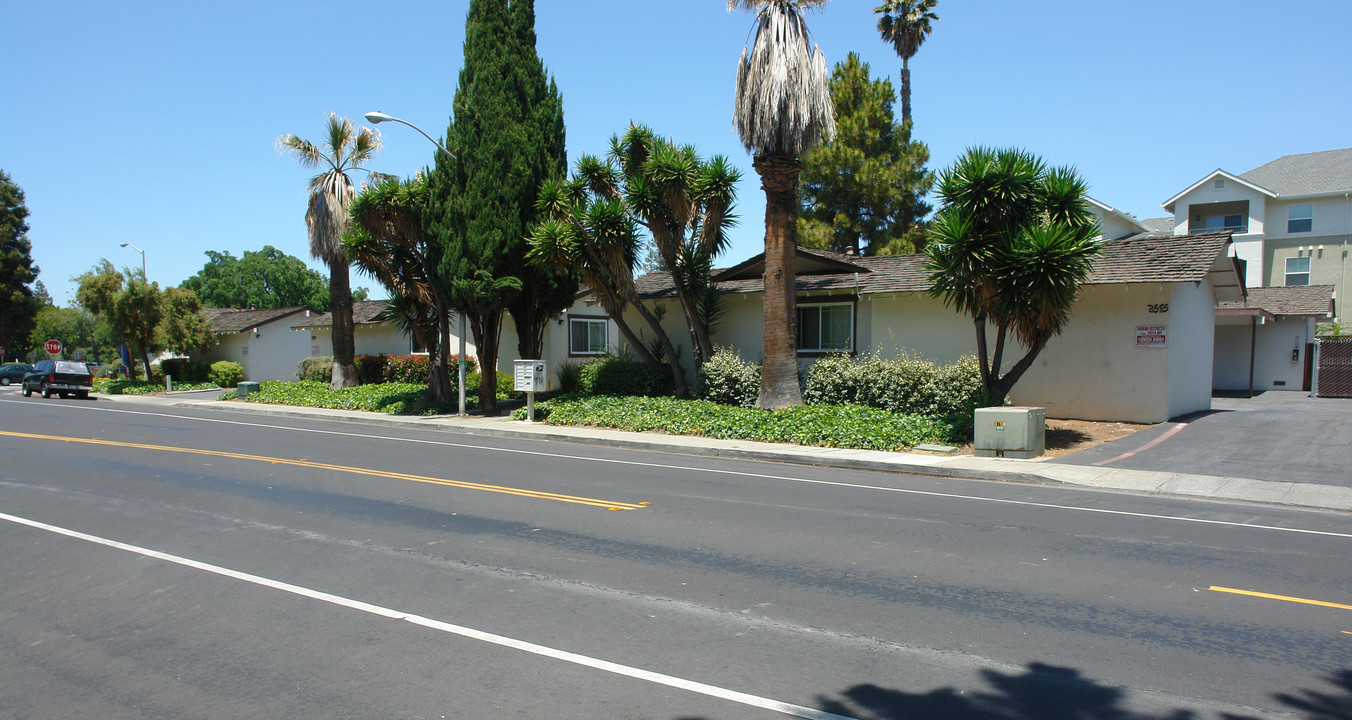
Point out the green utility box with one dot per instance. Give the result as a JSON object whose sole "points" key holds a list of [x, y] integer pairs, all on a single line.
{"points": [[1010, 432], [243, 389]]}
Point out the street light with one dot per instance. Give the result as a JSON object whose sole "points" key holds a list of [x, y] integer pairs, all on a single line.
{"points": [[375, 117], [143, 258]]}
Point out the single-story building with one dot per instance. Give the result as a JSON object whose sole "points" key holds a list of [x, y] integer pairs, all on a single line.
{"points": [[261, 341], [1266, 341], [1138, 346]]}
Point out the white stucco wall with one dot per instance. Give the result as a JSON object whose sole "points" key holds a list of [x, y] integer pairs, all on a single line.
{"points": [[1192, 319], [1273, 343], [271, 354], [1093, 371]]}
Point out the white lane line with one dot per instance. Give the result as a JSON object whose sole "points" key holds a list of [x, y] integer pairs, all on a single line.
{"points": [[742, 473], [529, 647]]}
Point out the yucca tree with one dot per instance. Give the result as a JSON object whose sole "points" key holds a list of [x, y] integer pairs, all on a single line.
{"points": [[387, 242], [344, 150], [783, 108], [1011, 246], [683, 201], [905, 24]]}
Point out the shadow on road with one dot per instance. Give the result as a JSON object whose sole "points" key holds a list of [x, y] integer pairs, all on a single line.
{"points": [[1048, 692]]}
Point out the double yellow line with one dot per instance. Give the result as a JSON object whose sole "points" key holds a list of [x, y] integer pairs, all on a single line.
{"points": [[505, 490]]}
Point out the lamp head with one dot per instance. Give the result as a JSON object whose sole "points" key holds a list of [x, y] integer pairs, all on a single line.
{"points": [[377, 117]]}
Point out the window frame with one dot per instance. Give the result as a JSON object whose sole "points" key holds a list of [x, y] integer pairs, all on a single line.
{"points": [[589, 320], [1307, 218], [804, 304], [1286, 278]]}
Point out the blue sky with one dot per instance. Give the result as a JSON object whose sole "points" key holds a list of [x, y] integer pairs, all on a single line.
{"points": [[155, 123]]}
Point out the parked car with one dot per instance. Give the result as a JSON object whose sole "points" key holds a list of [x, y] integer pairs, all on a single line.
{"points": [[58, 376], [14, 372]]}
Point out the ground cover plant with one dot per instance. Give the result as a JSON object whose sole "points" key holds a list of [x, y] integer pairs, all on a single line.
{"points": [[843, 426], [393, 398], [112, 386]]}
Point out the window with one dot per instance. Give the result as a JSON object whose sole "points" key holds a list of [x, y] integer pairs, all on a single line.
{"points": [[826, 328], [1300, 218], [1297, 271], [587, 336], [416, 346], [1225, 222]]}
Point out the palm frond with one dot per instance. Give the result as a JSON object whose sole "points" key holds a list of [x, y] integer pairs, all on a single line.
{"points": [[783, 99]]}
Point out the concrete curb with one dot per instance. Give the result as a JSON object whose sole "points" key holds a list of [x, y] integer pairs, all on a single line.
{"points": [[1287, 494]]}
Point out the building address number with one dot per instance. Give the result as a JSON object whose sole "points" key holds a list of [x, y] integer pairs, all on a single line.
{"points": [[1158, 308]]}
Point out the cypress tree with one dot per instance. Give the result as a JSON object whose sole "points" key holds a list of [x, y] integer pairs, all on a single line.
{"points": [[508, 138], [18, 305]]}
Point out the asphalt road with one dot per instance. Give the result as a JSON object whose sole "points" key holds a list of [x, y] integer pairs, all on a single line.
{"points": [[1277, 436], [178, 564]]}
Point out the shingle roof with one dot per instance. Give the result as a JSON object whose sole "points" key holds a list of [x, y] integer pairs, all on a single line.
{"points": [[226, 321], [1160, 224], [1142, 258], [363, 313], [1316, 300], [1306, 174]]}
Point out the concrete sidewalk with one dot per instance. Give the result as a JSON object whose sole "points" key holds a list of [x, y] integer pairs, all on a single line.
{"points": [[1304, 495]]}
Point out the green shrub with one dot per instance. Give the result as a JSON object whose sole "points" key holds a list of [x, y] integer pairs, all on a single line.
{"points": [[621, 375], [317, 369], [406, 369], [226, 374], [569, 377], [505, 390], [370, 368], [905, 384], [727, 379], [185, 370]]}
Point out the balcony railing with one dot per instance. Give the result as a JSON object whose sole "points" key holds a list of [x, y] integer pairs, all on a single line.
{"points": [[1237, 229]]}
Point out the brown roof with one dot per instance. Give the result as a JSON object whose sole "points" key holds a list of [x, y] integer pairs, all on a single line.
{"points": [[365, 312], [1316, 300], [225, 321], [1142, 258]]}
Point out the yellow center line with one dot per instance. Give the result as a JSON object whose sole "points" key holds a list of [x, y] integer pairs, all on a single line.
{"points": [[1285, 598], [522, 492]]}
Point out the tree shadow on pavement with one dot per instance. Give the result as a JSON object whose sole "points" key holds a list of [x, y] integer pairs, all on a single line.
{"points": [[1043, 692], [1316, 705]]}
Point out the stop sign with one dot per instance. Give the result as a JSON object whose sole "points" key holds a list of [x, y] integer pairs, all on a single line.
{"points": [[53, 347]]}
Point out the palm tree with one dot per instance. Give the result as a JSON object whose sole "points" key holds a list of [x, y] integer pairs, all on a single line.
{"points": [[344, 150], [783, 108], [906, 24]]}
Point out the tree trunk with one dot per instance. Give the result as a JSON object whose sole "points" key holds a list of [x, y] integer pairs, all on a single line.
{"points": [[439, 390], [779, 366], [679, 386], [905, 91], [487, 333], [340, 309]]}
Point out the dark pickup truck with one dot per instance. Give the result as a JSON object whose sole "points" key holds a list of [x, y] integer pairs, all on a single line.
{"points": [[58, 376]]}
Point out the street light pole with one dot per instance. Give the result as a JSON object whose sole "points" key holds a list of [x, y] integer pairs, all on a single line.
{"points": [[375, 117], [143, 257]]}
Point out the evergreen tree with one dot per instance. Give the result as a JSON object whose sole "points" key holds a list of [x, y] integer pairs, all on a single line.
{"points": [[864, 191], [18, 305], [507, 138]]}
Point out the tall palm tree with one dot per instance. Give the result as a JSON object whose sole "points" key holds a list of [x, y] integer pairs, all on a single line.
{"points": [[344, 150], [906, 24], [783, 108]]}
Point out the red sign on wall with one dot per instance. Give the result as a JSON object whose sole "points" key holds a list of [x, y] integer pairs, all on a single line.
{"points": [[1152, 336]]}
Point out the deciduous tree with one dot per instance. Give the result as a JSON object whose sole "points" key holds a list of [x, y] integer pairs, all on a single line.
{"points": [[267, 278], [143, 316]]}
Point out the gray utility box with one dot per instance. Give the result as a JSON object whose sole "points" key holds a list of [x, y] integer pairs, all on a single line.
{"points": [[1010, 432], [243, 389]]}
